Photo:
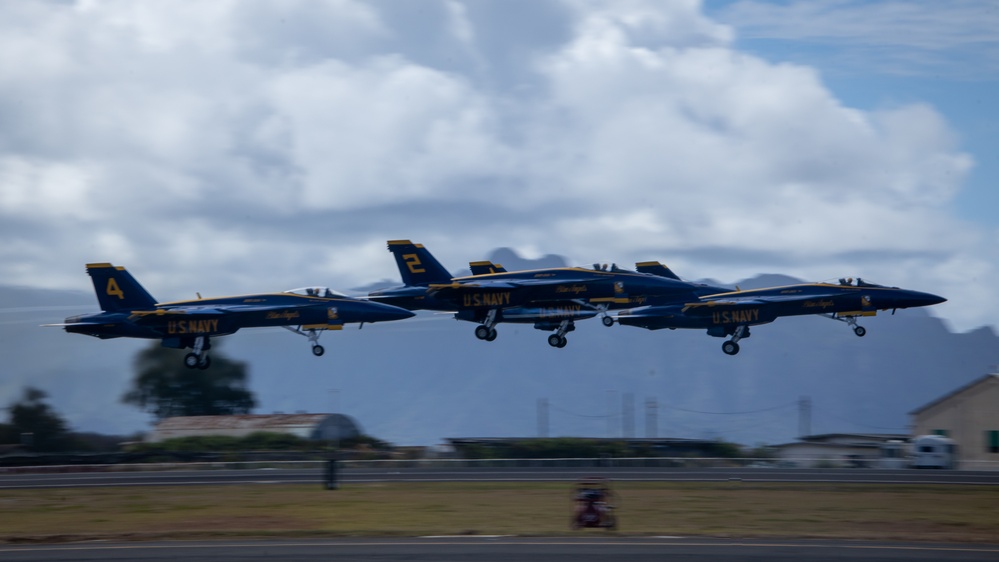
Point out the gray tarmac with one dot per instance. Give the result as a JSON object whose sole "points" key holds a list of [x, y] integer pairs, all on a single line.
{"points": [[71, 478], [495, 549]]}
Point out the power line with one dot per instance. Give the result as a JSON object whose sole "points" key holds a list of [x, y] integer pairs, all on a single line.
{"points": [[591, 416], [789, 405], [858, 424]]}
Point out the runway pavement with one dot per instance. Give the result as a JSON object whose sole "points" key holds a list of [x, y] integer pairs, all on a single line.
{"points": [[73, 479], [585, 546], [494, 549]]}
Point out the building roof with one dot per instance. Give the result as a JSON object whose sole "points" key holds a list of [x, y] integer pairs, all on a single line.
{"points": [[948, 396], [259, 422], [629, 440], [867, 437], [306, 426], [837, 440], [826, 445]]}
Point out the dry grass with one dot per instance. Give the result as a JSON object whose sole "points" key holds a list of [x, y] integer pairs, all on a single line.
{"points": [[849, 511]]}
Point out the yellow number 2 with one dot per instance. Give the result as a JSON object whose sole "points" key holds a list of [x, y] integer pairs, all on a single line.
{"points": [[114, 290], [413, 262]]}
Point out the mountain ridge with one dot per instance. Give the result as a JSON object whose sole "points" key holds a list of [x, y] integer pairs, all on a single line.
{"points": [[419, 381]]}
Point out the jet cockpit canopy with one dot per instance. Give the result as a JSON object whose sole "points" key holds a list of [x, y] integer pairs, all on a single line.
{"points": [[850, 282], [324, 292]]}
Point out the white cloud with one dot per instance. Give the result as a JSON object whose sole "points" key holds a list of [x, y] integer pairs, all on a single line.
{"points": [[229, 147], [736, 151], [386, 133]]}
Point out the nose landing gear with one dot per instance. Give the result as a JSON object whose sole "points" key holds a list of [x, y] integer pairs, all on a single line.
{"points": [[313, 335], [859, 330]]}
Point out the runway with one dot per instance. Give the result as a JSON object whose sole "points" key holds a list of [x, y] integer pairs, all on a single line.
{"points": [[496, 549], [583, 546], [209, 477]]}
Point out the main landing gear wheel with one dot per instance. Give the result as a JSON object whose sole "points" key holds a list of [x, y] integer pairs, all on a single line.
{"points": [[485, 333], [318, 350], [730, 348], [608, 321], [860, 331], [193, 361], [556, 340]]}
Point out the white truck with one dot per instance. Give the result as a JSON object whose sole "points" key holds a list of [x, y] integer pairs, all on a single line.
{"points": [[933, 451]]}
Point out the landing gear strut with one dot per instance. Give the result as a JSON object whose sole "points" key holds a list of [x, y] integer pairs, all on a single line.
{"points": [[558, 338], [317, 349], [486, 331], [313, 335], [731, 347], [198, 358], [852, 321]]}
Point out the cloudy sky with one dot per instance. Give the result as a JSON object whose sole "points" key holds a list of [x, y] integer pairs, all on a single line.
{"points": [[243, 146]]}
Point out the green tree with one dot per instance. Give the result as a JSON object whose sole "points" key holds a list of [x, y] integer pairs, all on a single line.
{"points": [[33, 418], [164, 387]]}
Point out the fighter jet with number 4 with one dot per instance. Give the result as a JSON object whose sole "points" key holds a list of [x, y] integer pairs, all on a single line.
{"points": [[552, 299], [724, 313], [130, 311]]}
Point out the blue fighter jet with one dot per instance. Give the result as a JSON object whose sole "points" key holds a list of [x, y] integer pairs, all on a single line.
{"points": [[552, 299], [723, 312], [128, 310]]}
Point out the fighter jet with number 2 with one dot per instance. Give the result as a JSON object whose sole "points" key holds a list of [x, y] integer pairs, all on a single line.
{"points": [[724, 313], [130, 311], [552, 299]]}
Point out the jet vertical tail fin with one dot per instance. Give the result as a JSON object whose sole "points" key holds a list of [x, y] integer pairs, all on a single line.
{"points": [[485, 267], [417, 265], [117, 290], [656, 268]]}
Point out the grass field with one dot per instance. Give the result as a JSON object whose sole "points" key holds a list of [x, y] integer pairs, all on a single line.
{"points": [[849, 511]]}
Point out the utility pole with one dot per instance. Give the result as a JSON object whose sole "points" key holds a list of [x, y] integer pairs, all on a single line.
{"points": [[651, 418], [330, 480], [543, 417], [804, 416], [611, 414], [628, 415]]}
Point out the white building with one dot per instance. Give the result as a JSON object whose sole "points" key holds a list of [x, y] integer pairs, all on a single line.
{"points": [[306, 426], [969, 416], [836, 450]]}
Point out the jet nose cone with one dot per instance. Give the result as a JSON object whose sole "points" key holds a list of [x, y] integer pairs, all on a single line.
{"points": [[385, 313], [916, 298], [933, 299]]}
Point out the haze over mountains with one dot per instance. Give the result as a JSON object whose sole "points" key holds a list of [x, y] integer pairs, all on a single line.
{"points": [[419, 381]]}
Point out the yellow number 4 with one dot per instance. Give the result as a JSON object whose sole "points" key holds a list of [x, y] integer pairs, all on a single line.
{"points": [[113, 289]]}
